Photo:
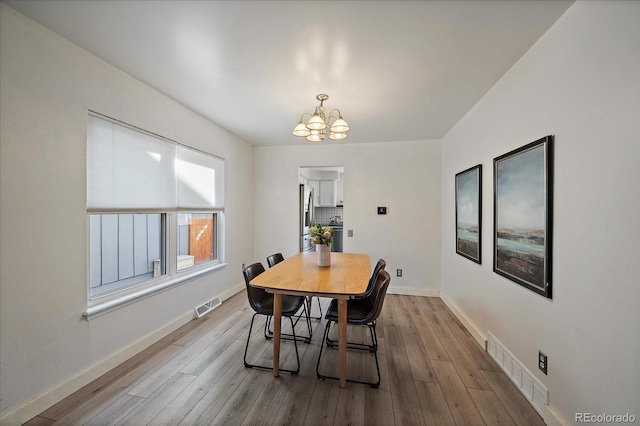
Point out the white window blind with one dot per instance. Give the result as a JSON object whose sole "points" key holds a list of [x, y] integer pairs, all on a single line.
{"points": [[200, 180], [131, 169]]}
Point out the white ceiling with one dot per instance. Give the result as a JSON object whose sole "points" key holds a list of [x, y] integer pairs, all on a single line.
{"points": [[397, 70]]}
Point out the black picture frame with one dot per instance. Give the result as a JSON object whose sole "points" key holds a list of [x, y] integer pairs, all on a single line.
{"points": [[523, 215], [469, 213]]}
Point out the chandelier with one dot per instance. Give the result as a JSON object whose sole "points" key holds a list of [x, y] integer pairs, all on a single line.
{"points": [[315, 129]]}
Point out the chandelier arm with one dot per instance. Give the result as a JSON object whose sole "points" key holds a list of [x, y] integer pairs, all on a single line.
{"points": [[333, 110], [306, 113], [335, 117]]}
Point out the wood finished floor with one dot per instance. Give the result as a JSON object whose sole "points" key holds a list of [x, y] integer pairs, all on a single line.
{"points": [[433, 373]]}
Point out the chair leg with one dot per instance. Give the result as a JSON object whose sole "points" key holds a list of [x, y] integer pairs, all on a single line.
{"points": [[309, 300], [262, 367], [361, 346], [309, 327], [374, 340], [374, 336], [295, 345], [324, 338], [306, 311], [268, 334], [308, 321], [246, 348]]}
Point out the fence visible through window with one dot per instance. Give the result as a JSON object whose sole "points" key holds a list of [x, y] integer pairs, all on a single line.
{"points": [[124, 248], [196, 239]]}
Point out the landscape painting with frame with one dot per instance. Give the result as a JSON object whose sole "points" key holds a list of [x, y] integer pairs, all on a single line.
{"points": [[469, 213], [522, 221]]}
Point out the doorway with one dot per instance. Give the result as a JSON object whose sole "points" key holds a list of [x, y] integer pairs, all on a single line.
{"points": [[327, 186]]}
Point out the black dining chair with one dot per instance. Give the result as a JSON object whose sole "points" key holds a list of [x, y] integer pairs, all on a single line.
{"points": [[363, 312], [379, 267], [262, 304], [276, 258]]}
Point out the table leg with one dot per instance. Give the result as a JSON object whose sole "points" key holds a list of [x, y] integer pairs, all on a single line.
{"points": [[277, 327], [342, 340]]}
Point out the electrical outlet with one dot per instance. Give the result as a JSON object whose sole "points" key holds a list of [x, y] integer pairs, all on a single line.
{"points": [[398, 272], [542, 362], [350, 233]]}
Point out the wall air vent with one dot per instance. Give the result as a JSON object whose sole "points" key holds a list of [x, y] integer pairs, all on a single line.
{"points": [[208, 307], [532, 389]]}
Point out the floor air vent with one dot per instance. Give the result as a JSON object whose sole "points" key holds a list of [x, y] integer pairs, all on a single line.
{"points": [[208, 307], [532, 389]]}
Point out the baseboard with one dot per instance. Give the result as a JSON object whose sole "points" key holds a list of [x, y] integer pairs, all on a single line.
{"points": [[552, 419], [232, 291], [532, 389], [480, 337], [36, 406], [411, 291]]}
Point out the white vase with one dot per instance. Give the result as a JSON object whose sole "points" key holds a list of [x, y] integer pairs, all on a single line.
{"points": [[324, 255]]}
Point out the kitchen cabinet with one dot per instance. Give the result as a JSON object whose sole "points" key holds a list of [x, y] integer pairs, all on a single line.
{"points": [[324, 192], [327, 193]]}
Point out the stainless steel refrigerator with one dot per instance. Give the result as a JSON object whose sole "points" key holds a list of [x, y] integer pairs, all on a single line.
{"points": [[306, 217]]}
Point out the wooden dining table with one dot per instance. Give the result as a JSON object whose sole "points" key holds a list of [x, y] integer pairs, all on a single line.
{"points": [[300, 275]]}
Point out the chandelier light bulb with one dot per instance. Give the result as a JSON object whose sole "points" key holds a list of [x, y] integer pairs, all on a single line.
{"points": [[316, 123], [316, 136], [301, 130], [340, 126], [337, 136]]}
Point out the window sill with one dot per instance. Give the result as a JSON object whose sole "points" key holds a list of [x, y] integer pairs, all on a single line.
{"points": [[103, 307]]}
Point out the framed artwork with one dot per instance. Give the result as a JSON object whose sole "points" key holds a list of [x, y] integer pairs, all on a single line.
{"points": [[522, 215], [469, 213]]}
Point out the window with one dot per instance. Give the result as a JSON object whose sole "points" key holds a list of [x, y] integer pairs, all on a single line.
{"points": [[196, 239], [125, 249], [143, 191]]}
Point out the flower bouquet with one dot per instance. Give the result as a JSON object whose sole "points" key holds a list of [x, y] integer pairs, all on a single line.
{"points": [[321, 234], [322, 237]]}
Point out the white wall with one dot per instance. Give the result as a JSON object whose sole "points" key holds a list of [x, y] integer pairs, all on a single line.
{"points": [[403, 176], [47, 86], [581, 83]]}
